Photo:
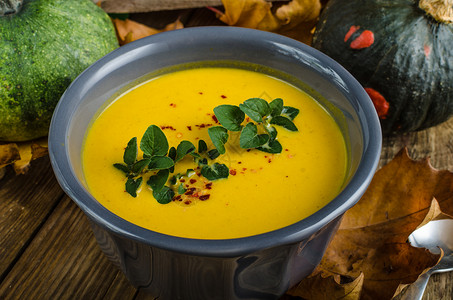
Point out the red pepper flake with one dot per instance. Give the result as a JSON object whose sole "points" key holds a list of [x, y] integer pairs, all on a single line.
{"points": [[167, 127], [208, 186], [351, 32], [269, 160], [189, 127], [204, 197], [244, 169], [214, 118], [364, 40], [182, 180], [201, 93], [223, 96], [233, 172], [172, 104], [286, 149], [187, 202], [381, 105], [192, 181], [239, 162], [189, 191], [204, 125], [177, 198]]}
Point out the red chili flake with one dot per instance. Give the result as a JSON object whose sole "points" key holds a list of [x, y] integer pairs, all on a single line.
{"points": [[239, 162], [286, 149], [190, 191], [351, 32], [201, 93], [208, 186], [203, 125], [187, 202], [381, 105], [233, 172], [192, 181], [364, 40], [189, 127], [204, 197], [244, 169], [223, 96], [269, 160], [198, 174], [182, 180], [167, 127], [177, 198], [215, 119], [172, 105]]}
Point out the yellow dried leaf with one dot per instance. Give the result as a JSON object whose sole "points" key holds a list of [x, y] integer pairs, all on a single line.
{"points": [[295, 19], [30, 151], [129, 31], [9, 153]]}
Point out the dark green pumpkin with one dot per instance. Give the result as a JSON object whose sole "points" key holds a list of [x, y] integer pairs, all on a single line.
{"points": [[400, 53], [44, 45]]}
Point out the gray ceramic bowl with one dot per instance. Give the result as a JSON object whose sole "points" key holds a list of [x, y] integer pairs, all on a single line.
{"points": [[257, 267]]}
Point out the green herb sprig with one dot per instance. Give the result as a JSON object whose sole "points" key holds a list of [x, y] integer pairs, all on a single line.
{"points": [[259, 134], [159, 158]]}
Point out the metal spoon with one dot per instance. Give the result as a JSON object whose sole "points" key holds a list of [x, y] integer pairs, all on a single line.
{"points": [[433, 235]]}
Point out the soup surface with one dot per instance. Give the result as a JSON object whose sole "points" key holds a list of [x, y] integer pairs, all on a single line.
{"points": [[263, 191]]}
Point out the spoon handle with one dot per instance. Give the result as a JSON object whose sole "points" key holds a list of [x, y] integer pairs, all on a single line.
{"points": [[415, 290]]}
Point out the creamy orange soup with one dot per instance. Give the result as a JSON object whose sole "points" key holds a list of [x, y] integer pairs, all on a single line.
{"points": [[263, 192]]}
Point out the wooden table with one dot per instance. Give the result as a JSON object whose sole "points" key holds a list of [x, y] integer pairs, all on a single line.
{"points": [[47, 249]]}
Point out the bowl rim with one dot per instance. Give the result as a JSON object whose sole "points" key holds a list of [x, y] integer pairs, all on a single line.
{"points": [[294, 233]]}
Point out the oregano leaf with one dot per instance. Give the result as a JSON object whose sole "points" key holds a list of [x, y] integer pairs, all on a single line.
{"points": [[130, 153], [213, 154], [290, 112], [271, 131], [181, 189], [255, 108], [284, 122], [122, 167], [219, 136], [215, 171], [158, 181], [160, 163], [229, 116], [273, 146], [132, 186], [164, 195], [184, 148], [138, 166], [276, 107], [154, 142], [202, 146], [250, 138]]}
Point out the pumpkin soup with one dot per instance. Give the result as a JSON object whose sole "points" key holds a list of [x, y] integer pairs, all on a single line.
{"points": [[228, 152]]}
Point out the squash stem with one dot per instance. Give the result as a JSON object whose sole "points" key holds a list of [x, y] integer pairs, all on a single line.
{"points": [[10, 7], [440, 10]]}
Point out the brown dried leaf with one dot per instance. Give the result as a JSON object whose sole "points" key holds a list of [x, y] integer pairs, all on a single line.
{"points": [[372, 238], [295, 19], [129, 31], [323, 286]]}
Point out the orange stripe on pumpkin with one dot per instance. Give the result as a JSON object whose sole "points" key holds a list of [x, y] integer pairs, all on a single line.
{"points": [[380, 104], [364, 40]]}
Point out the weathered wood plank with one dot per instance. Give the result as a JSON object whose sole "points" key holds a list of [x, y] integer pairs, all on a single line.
{"points": [[62, 262], [25, 202]]}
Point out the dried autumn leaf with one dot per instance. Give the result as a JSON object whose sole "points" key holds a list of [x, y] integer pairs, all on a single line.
{"points": [[9, 153], [328, 286], [295, 19], [372, 238], [30, 151], [129, 31]]}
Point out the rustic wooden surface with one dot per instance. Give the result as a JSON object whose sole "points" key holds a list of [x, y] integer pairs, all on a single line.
{"points": [[47, 250]]}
